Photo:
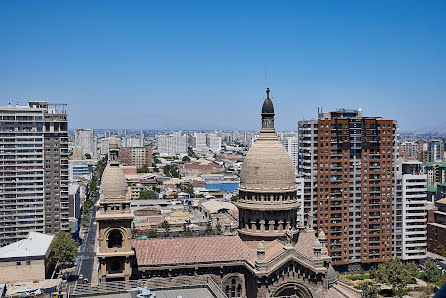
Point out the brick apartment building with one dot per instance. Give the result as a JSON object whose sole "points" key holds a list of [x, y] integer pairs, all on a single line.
{"points": [[136, 156]]}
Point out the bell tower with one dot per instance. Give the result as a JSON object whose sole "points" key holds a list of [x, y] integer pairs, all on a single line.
{"points": [[114, 220]]}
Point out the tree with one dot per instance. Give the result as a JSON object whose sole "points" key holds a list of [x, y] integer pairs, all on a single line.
{"points": [[209, 230], [143, 169], [153, 233], [394, 273], [440, 250], [187, 232], [186, 158], [369, 289], [93, 185], [147, 195], [218, 228], [200, 196], [87, 156], [234, 198], [64, 248], [166, 226], [432, 272], [413, 271]]}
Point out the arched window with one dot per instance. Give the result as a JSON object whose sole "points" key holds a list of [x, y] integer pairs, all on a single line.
{"points": [[115, 239]]}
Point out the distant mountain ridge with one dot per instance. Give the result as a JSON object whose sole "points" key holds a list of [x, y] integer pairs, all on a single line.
{"points": [[430, 129]]}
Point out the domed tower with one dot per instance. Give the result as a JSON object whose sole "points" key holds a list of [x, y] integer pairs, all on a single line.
{"points": [[114, 220], [268, 203]]}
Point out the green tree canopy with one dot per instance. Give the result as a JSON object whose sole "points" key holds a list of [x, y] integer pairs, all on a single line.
{"points": [[369, 289], [432, 272], [147, 195], [166, 226], [440, 250], [64, 248], [143, 169], [186, 158], [87, 156], [394, 273], [153, 233], [209, 230]]}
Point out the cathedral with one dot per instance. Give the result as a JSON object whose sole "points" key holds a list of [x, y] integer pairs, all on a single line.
{"points": [[272, 255]]}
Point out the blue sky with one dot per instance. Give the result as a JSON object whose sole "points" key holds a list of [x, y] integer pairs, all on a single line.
{"points": [[201, 64]]}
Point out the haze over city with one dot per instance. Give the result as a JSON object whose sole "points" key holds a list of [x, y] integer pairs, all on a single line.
{"points": [[201, 64]]}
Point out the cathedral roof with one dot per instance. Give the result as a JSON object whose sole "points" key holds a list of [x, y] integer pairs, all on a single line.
{"points": [[267, 166], [268, 107], [173, 251]]}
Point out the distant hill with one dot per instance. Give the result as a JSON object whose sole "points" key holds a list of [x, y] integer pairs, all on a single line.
{"points": [[439, 129]]}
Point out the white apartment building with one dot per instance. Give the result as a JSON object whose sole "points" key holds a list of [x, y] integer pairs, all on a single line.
{"points": [[410, 214], [172, 144], [307, 164], [291, 144], [33, 170], [214, 142], [436, 150], [410, 148], [131, 141], [84, 138], [200, 141]]}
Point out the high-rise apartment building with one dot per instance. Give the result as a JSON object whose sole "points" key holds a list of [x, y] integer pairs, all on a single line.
{"points": [[201, 141], [347, 163], [291, 144], [436, 173], [409, 211], [136, 156], [409, 150], [214, 142], [173, 144], [307, 165], [84, 138], [33, 170], [436, 150]]}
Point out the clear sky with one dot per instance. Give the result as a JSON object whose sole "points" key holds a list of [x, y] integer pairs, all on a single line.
{"points": [[201, 64]]}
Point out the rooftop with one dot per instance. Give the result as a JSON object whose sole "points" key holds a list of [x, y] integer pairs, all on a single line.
{"points": [[153, 252], [36, 245]]}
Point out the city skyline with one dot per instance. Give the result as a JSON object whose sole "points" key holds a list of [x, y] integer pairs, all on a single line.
{"points": [[202, 65]]}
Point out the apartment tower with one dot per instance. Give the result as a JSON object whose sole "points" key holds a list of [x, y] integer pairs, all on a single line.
{"points": [[33, 170], [348, 166]]}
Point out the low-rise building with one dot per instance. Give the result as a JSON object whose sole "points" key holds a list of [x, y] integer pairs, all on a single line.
{"points": [[80, 168], [28, 259], [436, 228]]}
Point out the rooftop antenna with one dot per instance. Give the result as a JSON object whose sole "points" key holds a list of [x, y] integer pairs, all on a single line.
{"points": [[266, 80]]}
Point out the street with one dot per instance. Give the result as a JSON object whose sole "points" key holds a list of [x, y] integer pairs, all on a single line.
{"points": [[87, 251]]}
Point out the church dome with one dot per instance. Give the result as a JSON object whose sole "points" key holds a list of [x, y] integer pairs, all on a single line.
{"points": [[267, 167], [114, 184]]}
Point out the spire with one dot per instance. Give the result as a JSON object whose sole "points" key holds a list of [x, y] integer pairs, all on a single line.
{"points": [[268, 113]]}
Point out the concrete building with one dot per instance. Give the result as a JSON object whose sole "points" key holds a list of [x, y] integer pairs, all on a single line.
{"points": [[307, 165], [436, 228], [84, 138], [200, 141], [135, 156], [27, 259], [409, 150], [80, 168], [173, 144], [291, 144], [436, 150], [214, 142], [409, 214], [74, 193], [271, 256], [436, 173], [348, 159], [77, 153], [34, 170]]}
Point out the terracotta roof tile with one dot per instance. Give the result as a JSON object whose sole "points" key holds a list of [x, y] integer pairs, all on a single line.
{"points": [[154, 252]]}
